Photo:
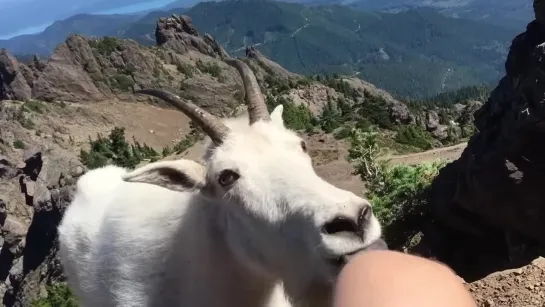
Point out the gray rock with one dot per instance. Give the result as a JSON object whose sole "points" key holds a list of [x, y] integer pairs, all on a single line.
{"points": [[496, 187], [13, 84]]}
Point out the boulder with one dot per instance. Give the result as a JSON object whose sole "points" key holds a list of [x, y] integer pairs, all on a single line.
{"points": [[13, 84]]}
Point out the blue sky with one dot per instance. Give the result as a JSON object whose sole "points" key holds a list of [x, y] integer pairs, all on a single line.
{"points": [[17, 7]]}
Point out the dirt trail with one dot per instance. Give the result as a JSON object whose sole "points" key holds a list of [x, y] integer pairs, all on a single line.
{"points": [[445, 153]]}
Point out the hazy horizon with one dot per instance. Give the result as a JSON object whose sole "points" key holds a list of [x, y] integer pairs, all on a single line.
{"points": [[126, 9]]}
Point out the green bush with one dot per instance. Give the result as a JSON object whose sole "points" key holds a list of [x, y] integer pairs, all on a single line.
{"points": [[58, 295], [189, 140], [331, 118], [107, 45], [115, 150], [122, 82], [211, 68], [399, 194], [186, 69], [375, 109], [414, 136], [296, 117], [34, 105], [19, 144]]}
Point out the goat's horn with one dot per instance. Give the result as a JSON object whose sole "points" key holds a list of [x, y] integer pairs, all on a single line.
{"points": [[215, 129], [257, 108]]}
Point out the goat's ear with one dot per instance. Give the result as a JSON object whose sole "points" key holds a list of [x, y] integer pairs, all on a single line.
{"points": [[177, 175], [276, 115]]}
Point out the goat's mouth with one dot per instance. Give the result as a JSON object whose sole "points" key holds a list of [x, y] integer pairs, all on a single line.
{"points": [[341, 260]]}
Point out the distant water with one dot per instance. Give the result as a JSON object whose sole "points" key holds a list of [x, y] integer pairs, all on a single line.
{"points": [[29, 30], [133, 8]]}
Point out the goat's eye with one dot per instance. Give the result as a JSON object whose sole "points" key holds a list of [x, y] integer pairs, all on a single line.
{"points": [[304, 146], [227, 177]]}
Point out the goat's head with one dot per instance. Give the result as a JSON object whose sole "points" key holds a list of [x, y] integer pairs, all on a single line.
{"points": [[282, 219]]}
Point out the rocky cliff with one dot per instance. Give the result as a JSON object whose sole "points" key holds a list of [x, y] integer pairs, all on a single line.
{"points": [[489, 205]]}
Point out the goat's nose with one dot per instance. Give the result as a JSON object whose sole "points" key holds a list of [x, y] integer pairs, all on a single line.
{"points": [[365, 215], [355, 225]]}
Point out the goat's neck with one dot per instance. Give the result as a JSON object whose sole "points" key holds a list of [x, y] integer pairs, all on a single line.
{"points": [[240, 286]]}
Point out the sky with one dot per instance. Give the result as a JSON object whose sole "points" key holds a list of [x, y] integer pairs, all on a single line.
{"points": [[14, 6]]}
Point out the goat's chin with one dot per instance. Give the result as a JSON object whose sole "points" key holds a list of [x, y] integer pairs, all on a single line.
{"points": [[316, 295]]}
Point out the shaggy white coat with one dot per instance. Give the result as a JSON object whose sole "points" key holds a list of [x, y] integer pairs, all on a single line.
{"points": [[168, 234]]}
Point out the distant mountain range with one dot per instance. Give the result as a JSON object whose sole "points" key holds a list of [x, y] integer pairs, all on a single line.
{"points": [[417, 52], [513, 14]]}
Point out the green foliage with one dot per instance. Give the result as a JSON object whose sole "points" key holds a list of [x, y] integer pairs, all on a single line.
{"points": [[19, 144], [450, 98], [58, 295], [186, 69], [375, 109], [107, 45], [116, 150], [475, 92], [122, 82], [415, 136], [211, 68], [23, 119], [399, 194], [331, 118], [35, 106], [296, 117], [189, 140]]}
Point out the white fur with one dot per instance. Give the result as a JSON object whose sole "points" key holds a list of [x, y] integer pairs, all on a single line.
{"points": [[142, 238]]}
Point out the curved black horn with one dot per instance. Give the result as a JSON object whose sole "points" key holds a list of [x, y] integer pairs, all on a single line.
{"points": [[215, 129], [257, 109]]}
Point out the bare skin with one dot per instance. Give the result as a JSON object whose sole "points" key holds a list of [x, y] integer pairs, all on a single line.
{"points": [[393, 279]]}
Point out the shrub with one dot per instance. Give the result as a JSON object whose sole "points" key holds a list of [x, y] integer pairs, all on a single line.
{"points": [[122, 82], [189, 140], [107, 45], [296, 117], [415, 136], [330, 119], [115, 150], [34, 105], [19, 144], [58, 295], [399, 194], [211, 68], [186, 69], [375, 109]]}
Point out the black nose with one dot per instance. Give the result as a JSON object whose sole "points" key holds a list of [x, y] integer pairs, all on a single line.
{"points": [[349, 225], [340, 224]]}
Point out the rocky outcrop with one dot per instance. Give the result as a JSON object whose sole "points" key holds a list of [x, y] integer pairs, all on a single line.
{"points": [[179, 34], [269, 66], [494, 192], [28, 257], [13, 84], [399, 111]]}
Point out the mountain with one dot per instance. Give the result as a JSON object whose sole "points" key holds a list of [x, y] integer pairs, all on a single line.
{"points": [[18, 15], [513, 14], [414, 53], [91, 25]]}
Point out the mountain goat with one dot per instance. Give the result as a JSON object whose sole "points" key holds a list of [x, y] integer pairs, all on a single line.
{"points": [[253, 226]]}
